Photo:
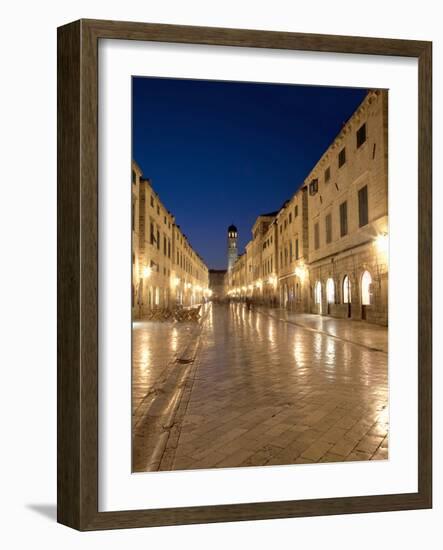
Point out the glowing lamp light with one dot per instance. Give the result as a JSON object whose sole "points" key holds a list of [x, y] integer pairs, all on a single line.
{"points": [[381, 242], [147, 270], [300, 272]]}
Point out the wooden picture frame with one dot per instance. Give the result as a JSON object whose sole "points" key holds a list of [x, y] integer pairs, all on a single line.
{"points": [[78, 274]]}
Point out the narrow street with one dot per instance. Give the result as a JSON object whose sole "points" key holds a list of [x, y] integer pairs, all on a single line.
{"points": [[259, 387]]}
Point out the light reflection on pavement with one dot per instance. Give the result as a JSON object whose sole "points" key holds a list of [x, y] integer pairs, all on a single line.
{"points": [[268, 391]]}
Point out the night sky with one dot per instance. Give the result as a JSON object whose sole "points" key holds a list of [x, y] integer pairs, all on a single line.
{"points": [[223, 152]]}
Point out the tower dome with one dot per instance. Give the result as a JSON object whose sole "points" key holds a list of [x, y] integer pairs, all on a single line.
{"points": [[232, 229]]}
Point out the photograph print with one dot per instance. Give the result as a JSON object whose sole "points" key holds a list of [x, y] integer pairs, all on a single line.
{"points": [[259, 274]]}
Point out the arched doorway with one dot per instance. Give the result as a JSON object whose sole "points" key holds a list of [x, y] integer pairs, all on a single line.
{"points": [[347, 294], [318, 297], [366, 293], [330, 293]]}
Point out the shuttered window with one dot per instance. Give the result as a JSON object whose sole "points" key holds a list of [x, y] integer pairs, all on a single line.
{"points": [[343, 219], [363, 206], [328, 227], [327, 174]]}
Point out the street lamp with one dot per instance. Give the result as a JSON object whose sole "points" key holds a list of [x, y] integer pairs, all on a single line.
{"points": [[147, 270]]}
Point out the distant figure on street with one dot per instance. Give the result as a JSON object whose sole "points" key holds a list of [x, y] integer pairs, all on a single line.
{"points": [[248, 303]]}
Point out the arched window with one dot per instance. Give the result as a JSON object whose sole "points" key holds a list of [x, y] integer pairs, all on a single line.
{"points": [[330, 291], [317, 292], [366, 288], [346, 290]]}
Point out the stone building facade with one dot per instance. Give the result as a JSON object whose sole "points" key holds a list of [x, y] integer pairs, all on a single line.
{"points": [[166, 270], [326, 250]]}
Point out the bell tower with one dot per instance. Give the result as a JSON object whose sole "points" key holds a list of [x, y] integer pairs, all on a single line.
{"points": [[232, 245]]}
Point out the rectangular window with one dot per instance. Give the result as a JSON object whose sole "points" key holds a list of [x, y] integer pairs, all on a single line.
{"points": [[158, 239], [290, 251], [343, 219], [328, 227], [290, 217], [327, 174], [342, 157], [316, 237], [154, 266], [165, 247], [152, 234], [295, 210], [134, 177], [313, 187], [361, 135], [297, 251], [169, 248], [363, 206]]}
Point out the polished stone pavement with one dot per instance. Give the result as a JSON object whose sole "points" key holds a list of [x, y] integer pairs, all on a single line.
{"points": [[262, 387]]}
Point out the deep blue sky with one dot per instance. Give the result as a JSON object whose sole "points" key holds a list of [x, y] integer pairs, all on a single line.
{"points": [[224, 152]]}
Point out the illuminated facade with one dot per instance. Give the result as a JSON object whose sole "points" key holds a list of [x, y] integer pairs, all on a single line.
{"points": [[326, 250], [166, 270]]}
